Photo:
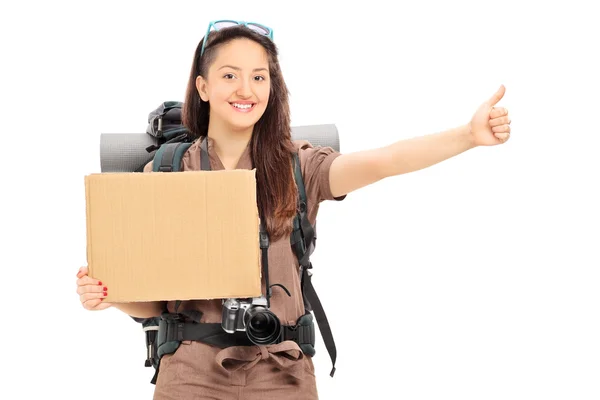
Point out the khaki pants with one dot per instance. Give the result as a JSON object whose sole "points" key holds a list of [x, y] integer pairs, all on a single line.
{"points": [[199, 371]]}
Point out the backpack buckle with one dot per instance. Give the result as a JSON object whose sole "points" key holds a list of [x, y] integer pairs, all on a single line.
{"points": [[303, 333], [264, 240], [151, 336], [159, 128], [171, 328]]}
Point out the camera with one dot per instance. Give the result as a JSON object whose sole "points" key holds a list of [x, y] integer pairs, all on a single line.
{"points": [[262, 326]]}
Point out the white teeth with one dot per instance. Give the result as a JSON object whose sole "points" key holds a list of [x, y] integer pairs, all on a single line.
{"points": [[242, 106]]}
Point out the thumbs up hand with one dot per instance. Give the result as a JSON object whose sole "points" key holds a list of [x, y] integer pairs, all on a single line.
{"points": [[490, 125]]}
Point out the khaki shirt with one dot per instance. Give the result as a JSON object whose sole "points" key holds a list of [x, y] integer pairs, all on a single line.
{"points": [[283, 264]]}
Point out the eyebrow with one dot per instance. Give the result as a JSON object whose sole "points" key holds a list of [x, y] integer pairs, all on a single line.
{"points": [[239, 69]]}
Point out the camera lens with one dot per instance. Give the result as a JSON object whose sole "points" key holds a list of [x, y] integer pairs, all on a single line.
{"points": [[260, 323], [262, 326]]}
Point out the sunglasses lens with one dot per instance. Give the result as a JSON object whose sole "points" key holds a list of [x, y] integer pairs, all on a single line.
{"points": [[259, 29], [224, 24]]}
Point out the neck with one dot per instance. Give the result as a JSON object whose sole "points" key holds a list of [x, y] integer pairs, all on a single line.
{"points": [[229, 144]]}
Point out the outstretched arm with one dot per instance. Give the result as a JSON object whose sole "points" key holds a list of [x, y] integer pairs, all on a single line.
{"points": [[489, 126]]}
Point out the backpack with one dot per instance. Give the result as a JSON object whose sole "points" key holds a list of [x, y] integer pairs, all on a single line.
{"points": [[165, 126], [164, 333]]}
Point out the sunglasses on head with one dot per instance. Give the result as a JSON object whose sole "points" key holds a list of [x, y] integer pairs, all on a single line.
{"points": [[226, 23]]}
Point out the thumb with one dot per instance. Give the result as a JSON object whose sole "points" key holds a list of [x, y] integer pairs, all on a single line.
{"points": [[497, 96], [82, 271]]}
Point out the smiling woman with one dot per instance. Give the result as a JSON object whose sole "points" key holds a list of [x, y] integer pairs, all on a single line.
{"points": [[237, 110]]}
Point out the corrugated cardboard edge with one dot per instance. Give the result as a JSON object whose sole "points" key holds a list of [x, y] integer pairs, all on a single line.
{"points": [[88, 217], [258, 252]]}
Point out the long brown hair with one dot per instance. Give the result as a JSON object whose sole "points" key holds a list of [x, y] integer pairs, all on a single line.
{"points": [[271, 144]]}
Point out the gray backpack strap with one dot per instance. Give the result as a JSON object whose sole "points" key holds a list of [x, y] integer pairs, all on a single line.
{"points": [[204, 157]]}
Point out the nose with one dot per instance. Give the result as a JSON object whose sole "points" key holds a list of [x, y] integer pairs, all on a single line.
{"points": [[244, 90]]}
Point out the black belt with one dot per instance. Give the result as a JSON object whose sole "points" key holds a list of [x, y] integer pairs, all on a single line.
{"points": [[212, 333], [175, 328]]}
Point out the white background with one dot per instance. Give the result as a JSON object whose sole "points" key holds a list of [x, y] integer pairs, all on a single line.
{"points": [[476, 278]]}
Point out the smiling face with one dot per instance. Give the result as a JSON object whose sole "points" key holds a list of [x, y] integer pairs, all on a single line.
{"points": [[237, 85]]}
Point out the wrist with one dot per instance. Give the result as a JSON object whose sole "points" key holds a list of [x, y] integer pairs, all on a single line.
{"points": [[466, 136]]}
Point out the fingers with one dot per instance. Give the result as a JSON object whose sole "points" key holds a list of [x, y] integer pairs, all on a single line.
{"points": [[502, 136], [96, 305], [91, 288], [498, 112], [86, 280], [91, 291], [501, 129], [86, 296], [91, 304], [499, 121], [92, 300]]}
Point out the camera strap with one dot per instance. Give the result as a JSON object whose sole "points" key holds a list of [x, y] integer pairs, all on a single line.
{"points": [[264, 247]]}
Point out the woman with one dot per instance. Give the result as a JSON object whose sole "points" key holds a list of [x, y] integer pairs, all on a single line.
{"points": [[237, 99]]}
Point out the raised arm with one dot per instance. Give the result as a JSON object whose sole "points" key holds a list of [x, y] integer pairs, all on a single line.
{"points": [[489, 126]]}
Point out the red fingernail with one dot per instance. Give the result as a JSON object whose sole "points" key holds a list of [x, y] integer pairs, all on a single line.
{"points": [[105, 288], [106, 294], [100, 283]]}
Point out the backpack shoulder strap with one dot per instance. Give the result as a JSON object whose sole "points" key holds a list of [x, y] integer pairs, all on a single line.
{"points": [[304, 235], [168, 157], [303, 242], [204, 157]]}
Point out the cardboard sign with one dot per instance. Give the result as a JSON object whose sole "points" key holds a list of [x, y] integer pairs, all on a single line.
{"points": [[174, 236]]}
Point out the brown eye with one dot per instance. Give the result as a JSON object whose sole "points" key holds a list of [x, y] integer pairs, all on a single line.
{"points": [[228, 76]]}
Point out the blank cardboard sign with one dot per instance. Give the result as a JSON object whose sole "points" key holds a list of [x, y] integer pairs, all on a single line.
{"points": [[174, 236]]}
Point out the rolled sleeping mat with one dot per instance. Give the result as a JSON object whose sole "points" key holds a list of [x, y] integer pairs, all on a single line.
{"points": [[126, 152]]}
